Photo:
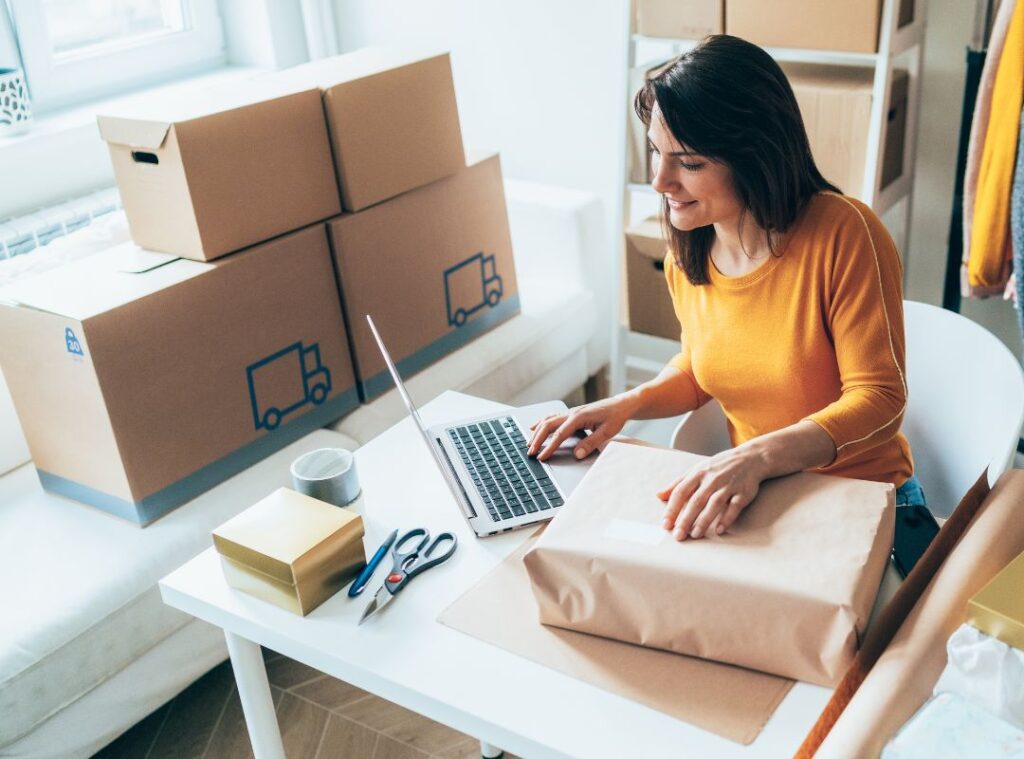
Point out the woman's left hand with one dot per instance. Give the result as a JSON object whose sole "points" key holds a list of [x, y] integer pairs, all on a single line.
{"points": [[711, 495]]}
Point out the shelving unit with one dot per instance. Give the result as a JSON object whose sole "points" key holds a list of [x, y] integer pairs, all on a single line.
{"points": [[898, 47]]}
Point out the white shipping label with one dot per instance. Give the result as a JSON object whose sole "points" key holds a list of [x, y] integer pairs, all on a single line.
{"points": [[645, 533]]}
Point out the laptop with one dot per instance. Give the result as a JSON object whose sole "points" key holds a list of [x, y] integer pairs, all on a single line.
{"points": [[483, 460]]}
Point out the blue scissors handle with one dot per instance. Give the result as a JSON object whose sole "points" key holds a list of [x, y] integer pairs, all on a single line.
{"points": [[408, 564]]}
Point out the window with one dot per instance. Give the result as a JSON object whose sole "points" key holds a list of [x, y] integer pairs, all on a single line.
{"points": [[79, 50]]}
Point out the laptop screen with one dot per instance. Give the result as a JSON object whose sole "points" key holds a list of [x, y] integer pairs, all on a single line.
{"points": [[412, 409]]}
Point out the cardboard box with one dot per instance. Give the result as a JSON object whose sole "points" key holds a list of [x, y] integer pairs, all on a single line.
{"points": [[142, 380], [680, 19], [433, 267], [896, 129], [291, 550], [639, 153], [998, 608], [835, 103], [393, 120], [229, 167], [786, 591], [844, 26], [650, 304], [849, 26]]}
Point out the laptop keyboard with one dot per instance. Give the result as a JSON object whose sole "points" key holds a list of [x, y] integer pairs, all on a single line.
{"points": [[510, 483]]}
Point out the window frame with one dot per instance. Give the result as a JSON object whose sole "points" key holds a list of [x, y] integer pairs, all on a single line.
{"points": [[55, 84]]}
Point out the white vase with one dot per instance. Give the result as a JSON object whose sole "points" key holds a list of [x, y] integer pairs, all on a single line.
{"points": [[15, 108]]}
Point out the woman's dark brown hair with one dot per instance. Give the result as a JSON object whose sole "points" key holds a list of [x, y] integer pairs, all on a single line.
{"points": [[729, 101]]}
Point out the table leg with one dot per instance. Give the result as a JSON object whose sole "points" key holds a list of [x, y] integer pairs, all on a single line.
{"points": [[257, 703], [487, 751]]}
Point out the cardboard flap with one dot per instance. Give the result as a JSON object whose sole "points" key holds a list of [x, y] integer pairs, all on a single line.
{"points": [[146, 123], [139, 133], [367, 61], [135, 260], [646, 238], [101, 282], [830, 77]]}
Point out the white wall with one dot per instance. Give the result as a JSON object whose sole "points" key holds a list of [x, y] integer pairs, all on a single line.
{"points": [[543, 82], [949, 27]]}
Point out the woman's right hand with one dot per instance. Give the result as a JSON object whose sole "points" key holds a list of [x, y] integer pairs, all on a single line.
{"points": [[604, 419]]}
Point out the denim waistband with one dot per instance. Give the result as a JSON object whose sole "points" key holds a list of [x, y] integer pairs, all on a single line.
{"points": [[910, 493]]}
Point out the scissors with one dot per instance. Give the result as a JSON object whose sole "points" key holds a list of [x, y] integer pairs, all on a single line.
{"points": [[408, 564]]}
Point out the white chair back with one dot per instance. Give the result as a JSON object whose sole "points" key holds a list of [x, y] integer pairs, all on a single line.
{"points": [[966, 403], [964, 411]]}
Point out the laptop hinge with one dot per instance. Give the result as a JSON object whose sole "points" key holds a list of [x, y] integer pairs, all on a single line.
{"points": [[467, 505]]}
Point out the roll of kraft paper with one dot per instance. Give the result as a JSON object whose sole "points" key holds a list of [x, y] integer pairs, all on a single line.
{"points": [[903, 678], [328, 474]]}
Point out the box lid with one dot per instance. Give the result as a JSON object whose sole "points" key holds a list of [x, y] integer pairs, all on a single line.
{"points": [[828, 76], [647, 239], [998, 608], [286, 533], [367, 61], [145, 123], [101, 282]]}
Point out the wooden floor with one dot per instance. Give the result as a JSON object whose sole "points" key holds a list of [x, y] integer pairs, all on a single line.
{"points": [[319, 717]]}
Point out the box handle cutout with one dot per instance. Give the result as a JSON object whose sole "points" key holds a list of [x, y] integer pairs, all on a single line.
{"points": [[659, 265], [141, 156]]}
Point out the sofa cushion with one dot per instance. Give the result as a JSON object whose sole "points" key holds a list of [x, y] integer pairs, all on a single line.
{"points": [[557, 320], [79, 595], [561, 234]]}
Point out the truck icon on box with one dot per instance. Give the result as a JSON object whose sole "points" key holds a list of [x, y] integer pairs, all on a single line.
{"points": [[285, 381], [469, 286], [72, 343]]}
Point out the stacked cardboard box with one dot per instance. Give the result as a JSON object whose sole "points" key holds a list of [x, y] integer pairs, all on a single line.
{"points": [[142, 378], [650, 305], [424, 246], [850, 26], [835, 102], [679, 19]]}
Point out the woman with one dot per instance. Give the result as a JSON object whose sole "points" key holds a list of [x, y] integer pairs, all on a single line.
{"points": [[788, 296]]}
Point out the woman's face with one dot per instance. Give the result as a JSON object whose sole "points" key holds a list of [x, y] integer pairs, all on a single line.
{"points": [[699, 191]]}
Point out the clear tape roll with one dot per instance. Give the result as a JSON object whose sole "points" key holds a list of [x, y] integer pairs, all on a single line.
{"points": [[328, 474]]}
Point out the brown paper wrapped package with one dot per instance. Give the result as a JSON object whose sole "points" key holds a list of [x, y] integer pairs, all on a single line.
{"points": [[787, 590]]}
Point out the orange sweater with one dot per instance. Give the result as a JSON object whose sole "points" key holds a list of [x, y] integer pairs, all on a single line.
{"points": [[816, 332]]}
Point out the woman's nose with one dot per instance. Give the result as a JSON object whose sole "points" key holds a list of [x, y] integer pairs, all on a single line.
{"points": [[662, 181]]}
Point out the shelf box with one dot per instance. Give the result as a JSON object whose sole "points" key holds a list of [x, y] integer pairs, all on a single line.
{"points": [[835, 102], [680, 19], [639, 155], [850, 26], [650, 305]]}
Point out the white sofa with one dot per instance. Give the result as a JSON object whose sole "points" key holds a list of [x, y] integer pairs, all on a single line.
{"points": [[86, 646]]}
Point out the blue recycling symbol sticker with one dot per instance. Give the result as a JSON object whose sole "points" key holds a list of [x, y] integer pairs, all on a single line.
{"points": [[74, 346]]}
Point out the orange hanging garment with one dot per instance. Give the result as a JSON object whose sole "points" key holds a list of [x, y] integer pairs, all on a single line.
{"points": [[988, 264]]}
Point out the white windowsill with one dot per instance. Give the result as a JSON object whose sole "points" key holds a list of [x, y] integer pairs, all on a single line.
{"points": [[62, 155], [78, 116]]}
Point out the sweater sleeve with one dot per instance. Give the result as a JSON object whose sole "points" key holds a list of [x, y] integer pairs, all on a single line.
{"points": [[681, 360], [865, 318]]}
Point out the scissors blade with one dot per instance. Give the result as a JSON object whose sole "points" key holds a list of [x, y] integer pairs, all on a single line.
{"points": [[380, 600]]}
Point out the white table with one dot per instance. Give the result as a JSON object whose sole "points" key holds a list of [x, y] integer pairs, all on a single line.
{"points": [[404, 655]]}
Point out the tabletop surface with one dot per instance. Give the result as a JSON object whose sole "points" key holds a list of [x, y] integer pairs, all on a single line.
{"points": [[406, 656]]}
